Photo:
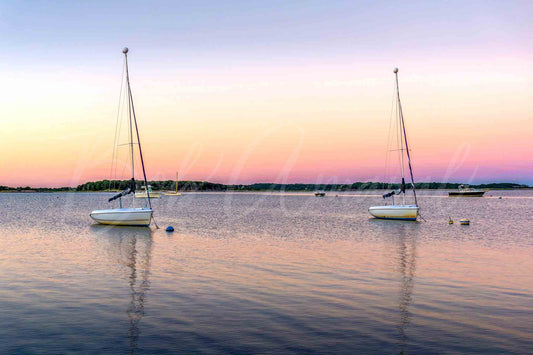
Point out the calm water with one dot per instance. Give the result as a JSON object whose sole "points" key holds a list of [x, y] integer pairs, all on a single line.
{"points": [[263, 273]]}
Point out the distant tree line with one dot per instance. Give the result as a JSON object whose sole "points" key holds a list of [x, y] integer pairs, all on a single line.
{"points": [[365, 186], [105, 185], [208, 186], [37, 189]]}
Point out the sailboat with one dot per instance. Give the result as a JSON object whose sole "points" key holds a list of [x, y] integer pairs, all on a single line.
{"points": [[174, 193], [139, 216], [403, 211], [145, 192]]}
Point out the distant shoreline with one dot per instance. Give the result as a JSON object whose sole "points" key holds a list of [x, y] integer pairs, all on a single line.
{"points": [[204, 186], [229, 192]]}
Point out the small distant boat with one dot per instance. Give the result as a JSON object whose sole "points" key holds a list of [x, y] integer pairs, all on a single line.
{"points": [[174, 193], [465, 222], [147, 192], [403, 211], [466, 192], [140, 216], [320, 194]]}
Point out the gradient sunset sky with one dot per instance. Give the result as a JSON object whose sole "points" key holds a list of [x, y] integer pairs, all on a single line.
{"points": [[267, 91]]}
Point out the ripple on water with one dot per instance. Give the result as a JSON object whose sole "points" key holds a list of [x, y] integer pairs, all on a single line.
{"points": [[252, 273]]}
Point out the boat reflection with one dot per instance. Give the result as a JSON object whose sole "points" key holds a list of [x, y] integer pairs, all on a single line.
{"points": [[403, 235], [407, 268], [132, 249]]}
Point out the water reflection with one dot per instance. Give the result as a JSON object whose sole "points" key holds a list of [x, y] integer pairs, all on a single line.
{"points": [[406, 268], [403, 235], [132, 249]]}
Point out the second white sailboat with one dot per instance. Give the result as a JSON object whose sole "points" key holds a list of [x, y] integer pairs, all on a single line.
{"points": [[403, 211]]}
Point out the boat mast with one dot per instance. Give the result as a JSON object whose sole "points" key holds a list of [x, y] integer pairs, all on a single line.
{"points": [[176, 182], [399, 123], [129, 116], [405, 140], [125, 51]]}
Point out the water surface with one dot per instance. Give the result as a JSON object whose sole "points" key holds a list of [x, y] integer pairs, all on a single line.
{"points": [[267, 273]]}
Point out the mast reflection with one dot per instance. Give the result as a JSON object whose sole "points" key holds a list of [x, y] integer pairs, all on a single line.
{"points": [[132, 248], [406, 268]]}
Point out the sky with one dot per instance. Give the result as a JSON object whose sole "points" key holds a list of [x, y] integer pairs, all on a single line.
{"points": [[267, 91]]}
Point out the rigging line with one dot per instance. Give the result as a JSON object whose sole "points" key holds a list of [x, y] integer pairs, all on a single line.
{"points": [[406, 145], [122, 109], [387, 154], [399, 128], [119, 132], [402, 189], [123, 169], [123, 165], [155, 223], [420, 214], [116, 129], [137, 131], [130, 104]]}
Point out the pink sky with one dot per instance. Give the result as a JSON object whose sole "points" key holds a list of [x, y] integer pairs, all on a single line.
{"points": [[258, 97]]}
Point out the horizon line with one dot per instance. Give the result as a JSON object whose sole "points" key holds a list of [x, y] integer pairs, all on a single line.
{"points": [[5, 187]]}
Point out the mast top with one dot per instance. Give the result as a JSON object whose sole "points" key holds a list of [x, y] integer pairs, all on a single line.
{"points": [[125, 50], [395, 69]]}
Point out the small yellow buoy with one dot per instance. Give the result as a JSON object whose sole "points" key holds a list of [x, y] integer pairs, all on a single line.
{"points": [[465, 222], [450, 221]]}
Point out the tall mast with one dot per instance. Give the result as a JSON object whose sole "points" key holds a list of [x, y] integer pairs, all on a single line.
{"points": [[125, 51], [404, 138], [176, 182], [398, 110]]}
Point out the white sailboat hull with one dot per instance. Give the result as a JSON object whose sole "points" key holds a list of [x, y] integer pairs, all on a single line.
{"points": [[123, 216], [401, 212], [145, 195]]}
